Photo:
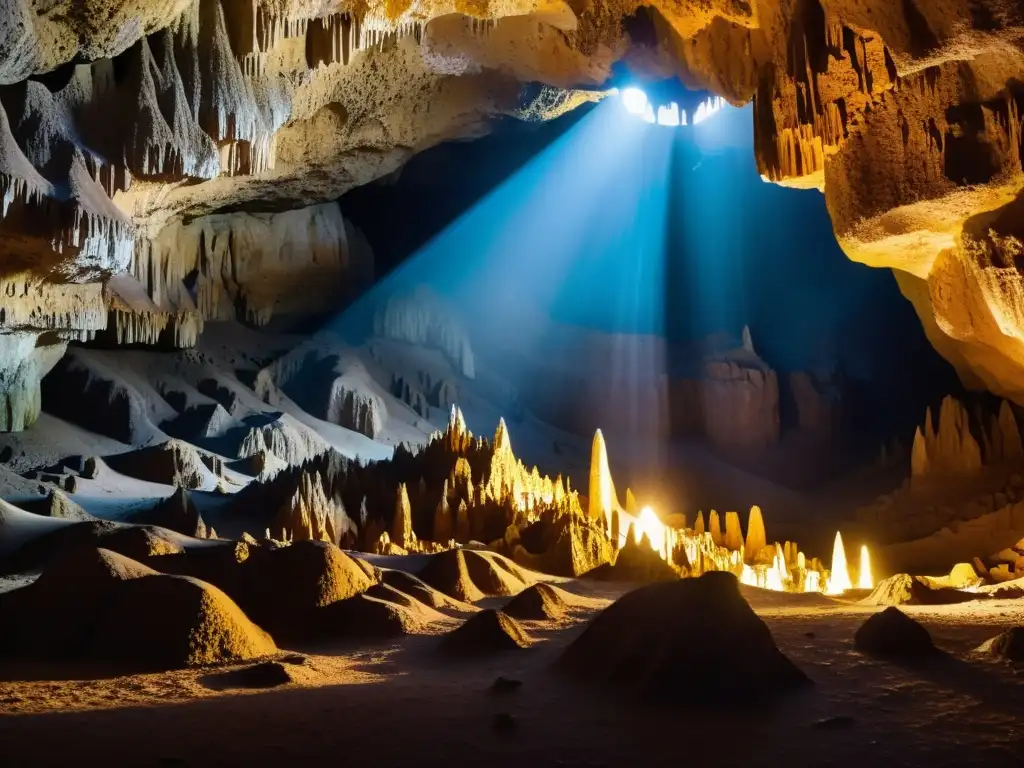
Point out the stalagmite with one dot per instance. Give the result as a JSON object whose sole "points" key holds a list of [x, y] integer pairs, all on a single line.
{"points": [[444, 526], [756, 537], [462, 530], [733, 532], [1012, 450], [839, 575], [698, 526], [401, 526], [601, 499], [715, 529]]}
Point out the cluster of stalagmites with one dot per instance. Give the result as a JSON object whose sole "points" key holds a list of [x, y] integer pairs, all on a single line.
{"points": [[964, 496], [462, 490]]}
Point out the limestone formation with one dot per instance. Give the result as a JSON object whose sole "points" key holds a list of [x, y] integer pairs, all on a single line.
{"points": [[422, 318], [756, 537], [174, 462], [177, 513], [733, 539], [401, 524], [56, 504], [715, 529], [309, 515]]}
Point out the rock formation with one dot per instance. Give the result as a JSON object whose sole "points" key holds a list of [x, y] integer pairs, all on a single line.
{"points": [[401, 524], [488, 631], [733, 539], [892, 634], [950, 449], [710, 640], [756, 537], [309, 515], [176, 513], [172, 463], [601, 499], [1008, 645], [422, 318]]}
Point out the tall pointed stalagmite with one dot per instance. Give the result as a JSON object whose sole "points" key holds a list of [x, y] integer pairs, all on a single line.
{"points": [[733, 532], [444, 526], [401, 526], [715, 528], [756, 537], [919, 455], [601, 500], [698, 527], [501, 439], [462, 532], [1012, 451], [631, 507]]}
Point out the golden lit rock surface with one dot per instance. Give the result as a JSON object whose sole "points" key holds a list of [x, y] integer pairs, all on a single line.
{"points": [[158, 136]]}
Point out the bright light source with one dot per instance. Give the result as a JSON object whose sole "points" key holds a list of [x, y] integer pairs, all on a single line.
{"points": [[634, 100], [649, 114], [669, 115]]}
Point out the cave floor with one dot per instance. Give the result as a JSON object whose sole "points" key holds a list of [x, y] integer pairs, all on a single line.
{"points": [[401, 704]]}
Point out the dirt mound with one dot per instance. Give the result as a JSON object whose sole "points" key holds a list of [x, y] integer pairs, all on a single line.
{"points": [[488, 631], [177, 513], [636, 562], [370, 618], [372, 571], [408, 584], [172, 463], [282, 588], [175, 621], [537, 603], [56, 504], [569, 546], [894, 635], [103, 605], [687, 643], [38, 551], [904, 589], [491, 578], [392, 595], [448, 572], [141, 541], [1008, 645]]}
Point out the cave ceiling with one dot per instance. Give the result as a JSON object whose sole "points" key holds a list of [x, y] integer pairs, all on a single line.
{"points": [[151, 149]]}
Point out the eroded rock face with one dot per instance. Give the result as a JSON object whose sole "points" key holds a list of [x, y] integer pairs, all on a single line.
{"points": [[201, 135]]}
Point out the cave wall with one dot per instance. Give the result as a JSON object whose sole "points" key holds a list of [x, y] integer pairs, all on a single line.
{"points": [[130, 130]]}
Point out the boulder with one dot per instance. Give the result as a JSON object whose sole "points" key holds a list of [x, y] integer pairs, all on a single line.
{"points": [[891, 634], [1008, 645]]}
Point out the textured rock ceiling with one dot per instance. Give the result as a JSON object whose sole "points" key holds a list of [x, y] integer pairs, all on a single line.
{"points": [[147, 148]]}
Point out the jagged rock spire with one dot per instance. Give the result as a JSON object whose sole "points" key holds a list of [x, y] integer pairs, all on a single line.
{"points": [[715, 528], [501, 439], [401, 526], [756, 537], [733, 532], [601, 499], [444, 526], [698, 526], [631, 506]]}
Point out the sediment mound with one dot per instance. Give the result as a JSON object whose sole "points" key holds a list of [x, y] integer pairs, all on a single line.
{"points": [[488, 631], [687, 643], [537, 603], [491, 578], [56, 504], [175, 621], [33, 541], [448, 572], [410, 585], [172, 463], [103, 605], [1008, 645], [569, 546], [904, 589], [176, 513], [892, 634], [369, 618], [141, 541], [282, 588]]}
